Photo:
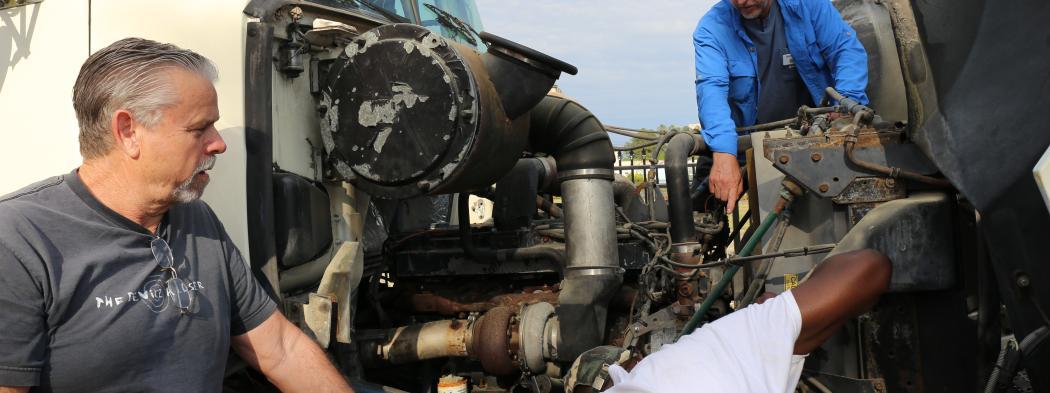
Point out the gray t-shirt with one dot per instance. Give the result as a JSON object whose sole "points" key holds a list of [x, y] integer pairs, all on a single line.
{"points": [[781, 89], [83, 306]]}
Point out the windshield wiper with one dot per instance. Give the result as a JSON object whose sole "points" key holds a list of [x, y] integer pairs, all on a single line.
{"points": [[451, 21], [380, 10]]}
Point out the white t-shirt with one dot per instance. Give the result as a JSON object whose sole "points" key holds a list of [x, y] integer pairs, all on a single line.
{"points": [[749, 350]]}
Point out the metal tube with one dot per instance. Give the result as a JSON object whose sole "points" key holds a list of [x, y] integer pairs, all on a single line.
{"points": [[427, 341], [893, 172], [759, 282], [590, 227]]}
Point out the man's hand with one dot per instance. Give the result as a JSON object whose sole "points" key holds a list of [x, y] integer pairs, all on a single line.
{"points": [[725, 181], [288, 358]]}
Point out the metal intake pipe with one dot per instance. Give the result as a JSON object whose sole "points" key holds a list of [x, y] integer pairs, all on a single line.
{"points": [[584, 155]]}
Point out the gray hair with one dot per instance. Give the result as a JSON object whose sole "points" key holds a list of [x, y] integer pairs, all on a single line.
{"points": [[128, 74]]}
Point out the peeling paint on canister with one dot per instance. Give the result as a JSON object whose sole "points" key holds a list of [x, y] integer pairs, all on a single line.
{"points": [[343, 169], [364, 169], [330, 121], [381, 139], [370, 39], [374, 112]]}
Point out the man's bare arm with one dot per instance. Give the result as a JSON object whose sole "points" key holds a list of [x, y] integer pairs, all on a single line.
{"points": [[288, 357], [842, 287], [13, 389]]}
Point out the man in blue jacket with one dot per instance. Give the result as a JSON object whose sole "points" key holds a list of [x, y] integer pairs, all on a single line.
{"points": [[760, 60]]}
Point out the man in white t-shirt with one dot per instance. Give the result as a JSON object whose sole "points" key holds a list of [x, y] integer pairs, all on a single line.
{"points": [[760, 348]]}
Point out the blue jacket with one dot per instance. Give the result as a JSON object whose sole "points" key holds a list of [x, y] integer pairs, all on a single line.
{"points": [[825, 49]]}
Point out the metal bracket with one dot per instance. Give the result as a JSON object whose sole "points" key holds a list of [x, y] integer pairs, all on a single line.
{"points": [[819, 162], [662, 319], [341, 276]]}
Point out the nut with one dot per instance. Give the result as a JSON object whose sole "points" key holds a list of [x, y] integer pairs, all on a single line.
{"points": [[824, 187], [1023, 281], [784, 159], [816, 157]]}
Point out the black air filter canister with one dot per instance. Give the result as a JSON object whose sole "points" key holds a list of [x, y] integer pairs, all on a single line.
{"points": [[410, 113]]}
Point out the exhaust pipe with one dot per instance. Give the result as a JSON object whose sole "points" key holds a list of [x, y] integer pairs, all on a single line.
{"points": [[584, 156]]}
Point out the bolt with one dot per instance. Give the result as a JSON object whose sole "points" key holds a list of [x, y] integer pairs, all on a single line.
{"points": [[1023, 281], [423, 185], [816, 157], [824, 187], [891, 183], [784, 159]]}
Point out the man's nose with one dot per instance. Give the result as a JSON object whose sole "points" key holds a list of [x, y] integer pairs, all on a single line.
{"points": [[216, 145]]}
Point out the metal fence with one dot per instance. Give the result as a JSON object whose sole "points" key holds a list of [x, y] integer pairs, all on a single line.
{"points": [[634, 165]]}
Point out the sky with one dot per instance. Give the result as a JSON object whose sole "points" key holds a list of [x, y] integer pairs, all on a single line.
{"points": [[635, 57]]}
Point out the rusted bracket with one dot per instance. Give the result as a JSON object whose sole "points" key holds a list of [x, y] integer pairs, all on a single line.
{"points": [[819, 163]]}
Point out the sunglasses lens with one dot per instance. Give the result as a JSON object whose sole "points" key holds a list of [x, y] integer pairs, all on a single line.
{"points": [[161, 252], [179, 293]]}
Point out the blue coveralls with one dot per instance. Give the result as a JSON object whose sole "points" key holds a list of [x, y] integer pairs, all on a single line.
{"points": [[825, 50]]}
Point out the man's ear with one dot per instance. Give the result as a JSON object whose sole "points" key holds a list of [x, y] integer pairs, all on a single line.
{"points": [[125, 133]]}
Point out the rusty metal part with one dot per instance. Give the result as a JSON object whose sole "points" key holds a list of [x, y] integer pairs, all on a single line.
{"points": [[823, 187], [491, 342], [514, 339], [434, 303], [857, 211], [816, 157], [685, 288], [894, 172], [792, 188], [430, 340], [869, 190], [835, 168], [784, 159]]}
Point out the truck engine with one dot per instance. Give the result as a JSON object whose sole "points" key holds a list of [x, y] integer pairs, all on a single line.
{"points": [[371, 236]]}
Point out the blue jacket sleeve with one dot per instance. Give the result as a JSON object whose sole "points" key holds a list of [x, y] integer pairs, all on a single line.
{"points": [[838, 44], [712, 92]]}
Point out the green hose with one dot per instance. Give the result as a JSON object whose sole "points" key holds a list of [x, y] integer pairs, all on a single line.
{"points": [[716, 292]]}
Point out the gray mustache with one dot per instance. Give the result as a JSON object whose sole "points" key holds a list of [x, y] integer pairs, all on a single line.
{"points": [[206, 165]]}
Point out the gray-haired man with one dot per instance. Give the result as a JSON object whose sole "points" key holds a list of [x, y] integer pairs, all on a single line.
{"points": [[114, 277]]}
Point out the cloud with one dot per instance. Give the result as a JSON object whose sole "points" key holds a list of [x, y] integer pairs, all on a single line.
{"points": [[635, 58]]}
